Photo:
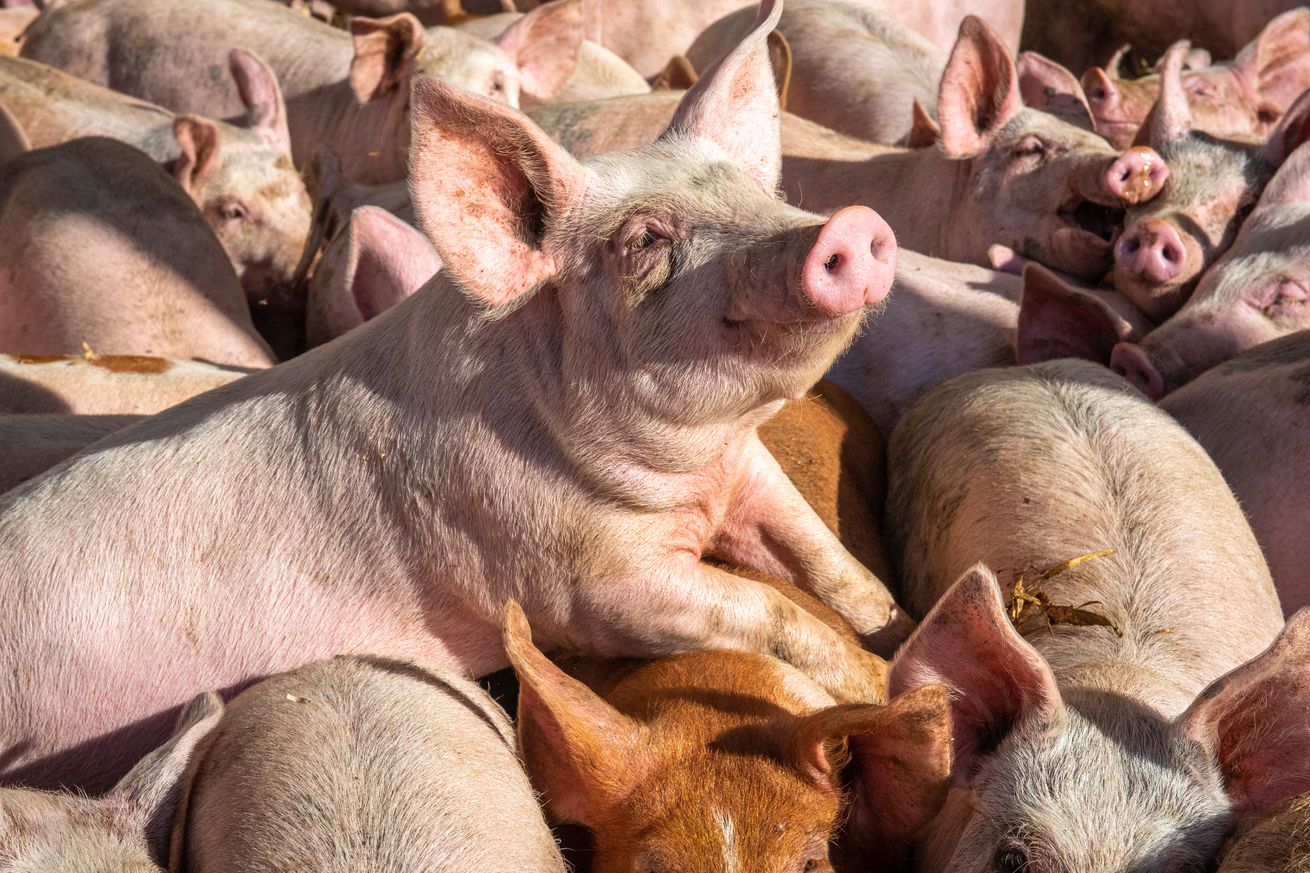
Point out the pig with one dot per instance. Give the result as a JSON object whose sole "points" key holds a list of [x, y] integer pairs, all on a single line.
{"points": [[363, 763], [855, 70], [375, 263], [126, 831], [33, 444], [1002, 174], [240, 177], [1257, 291], [1125, 727], [1238, 411], [430, 12], [1213, 185], [349, 90], [600, 73], [1082, 34], [618, 288], [1278, 842], [703, 760], [1239, 99], [106, 252], [104, 384]]}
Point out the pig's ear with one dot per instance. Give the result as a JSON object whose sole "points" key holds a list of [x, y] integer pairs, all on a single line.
{"points": [[678, 75], [13, 139], [151, 792], [1060, 320], [266, 113], [979, 92], [544, 45], [735, 104], [1171, 117], [487, 184], [1276, 64], [389, 260], [582, 754], [902, 763], [198, 139], [1292, 130], [1290, 184], [923, 129], [781, 60], [1048, 86], [1253, 722], [385, 50], [995, 679]]}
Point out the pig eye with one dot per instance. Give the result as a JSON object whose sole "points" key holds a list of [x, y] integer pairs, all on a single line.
{"points": [[232, 211], [1010, 859], [498, 83], [1031, 146], [818, 865], [649, 236]]}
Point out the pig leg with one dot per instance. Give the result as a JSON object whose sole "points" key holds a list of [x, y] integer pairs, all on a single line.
{"points": [[692, 606], [770, 528]]}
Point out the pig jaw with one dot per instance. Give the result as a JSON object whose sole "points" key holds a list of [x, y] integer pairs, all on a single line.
{"points": [[54, 832], [1158, 808]]}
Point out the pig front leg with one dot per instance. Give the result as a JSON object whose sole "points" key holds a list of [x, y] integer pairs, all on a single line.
{"points": [[692, 606], [770, 528]]}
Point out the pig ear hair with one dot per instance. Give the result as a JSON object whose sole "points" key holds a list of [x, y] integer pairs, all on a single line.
{"points": [[389, 260], [979, 92], [198, 139], [780, 59], [1050, 87], [1291, 132], [151, 792], [1171, 116], [994, 677], [1277, 61], [735, 104], [1058, 319], [266, 112], [901, 751], [1254, 722], [486, 183], [385, 49], [545, 45], [581, 753]]}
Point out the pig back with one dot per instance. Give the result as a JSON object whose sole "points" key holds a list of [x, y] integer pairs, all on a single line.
{"points": [[362, 764], [1027, 468]]}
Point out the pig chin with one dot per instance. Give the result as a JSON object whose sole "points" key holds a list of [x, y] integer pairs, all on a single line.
{"points": [[798, 352]]}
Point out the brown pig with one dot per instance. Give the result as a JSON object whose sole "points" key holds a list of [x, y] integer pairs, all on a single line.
{"points": [[362, 763], [105, 252], [724, 761], [1277, 842]]}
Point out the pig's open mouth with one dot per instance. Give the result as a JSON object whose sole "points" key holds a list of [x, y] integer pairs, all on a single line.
{"points": [[1102, 222]]}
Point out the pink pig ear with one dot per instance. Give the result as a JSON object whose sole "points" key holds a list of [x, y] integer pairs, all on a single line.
{"points": [[544, 45], [582, 754], [266, 113], [198, 140], [1058, 319], [385, 51], [1256, 722], [979, 92], [1171, 116], [996, 680], [735, 104], [1290, 184], [13, 139], [1050, 87], [924, 130], [902, 765], [1276, 64], [152, 791], [389, 260], [487, 185]]}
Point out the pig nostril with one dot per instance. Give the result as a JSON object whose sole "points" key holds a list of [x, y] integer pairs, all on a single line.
{"points": [[1131, 245], [1097, 94], [831, 263], [1171, 254]]}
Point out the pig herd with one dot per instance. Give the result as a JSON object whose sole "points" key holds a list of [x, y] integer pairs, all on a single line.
{"points": [[839, 439]]}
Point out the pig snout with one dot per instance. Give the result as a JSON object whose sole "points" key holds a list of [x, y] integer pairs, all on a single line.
{"points": [[1129, 361], [852, 263], [1137, 175], [1102, 96], [1151, 251]]}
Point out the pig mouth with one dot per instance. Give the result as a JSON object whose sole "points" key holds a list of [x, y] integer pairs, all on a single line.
{"points": [[1094, 219]]}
